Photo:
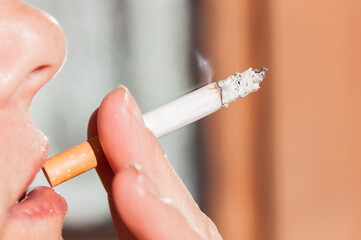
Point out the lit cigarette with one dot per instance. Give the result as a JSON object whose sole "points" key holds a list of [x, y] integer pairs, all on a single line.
{"points": [[161, 121]]}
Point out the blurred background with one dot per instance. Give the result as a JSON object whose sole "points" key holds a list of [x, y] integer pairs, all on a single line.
{"points": [[283, 163]]}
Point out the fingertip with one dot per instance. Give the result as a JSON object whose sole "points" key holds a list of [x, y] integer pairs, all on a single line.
{"points": [[123, 180], [130, 186], [132, 199], [144, 211], [119, 126], [120, 102]]}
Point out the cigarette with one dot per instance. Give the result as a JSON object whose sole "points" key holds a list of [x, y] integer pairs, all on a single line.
{"points": [[161, 121]]}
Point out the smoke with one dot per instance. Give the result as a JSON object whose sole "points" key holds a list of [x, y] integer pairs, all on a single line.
{"points": [[205, 69]]}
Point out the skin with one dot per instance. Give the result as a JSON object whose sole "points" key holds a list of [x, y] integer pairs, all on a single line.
{"points": [[147, 199], [32, 49]]}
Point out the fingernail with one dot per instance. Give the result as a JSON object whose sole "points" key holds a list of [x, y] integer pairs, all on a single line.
{"points": [[145, 183], [134, 165], [126, 92], [121, 86], [134, 109]]}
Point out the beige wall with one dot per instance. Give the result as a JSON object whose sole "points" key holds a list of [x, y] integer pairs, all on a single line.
{"points": [[285, 162]]}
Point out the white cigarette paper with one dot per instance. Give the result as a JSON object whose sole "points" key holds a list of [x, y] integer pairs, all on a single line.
{"points": [[202, 102], [161, 121]]}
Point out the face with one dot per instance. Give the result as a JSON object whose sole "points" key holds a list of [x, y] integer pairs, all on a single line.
{"points": [[32, 49]]}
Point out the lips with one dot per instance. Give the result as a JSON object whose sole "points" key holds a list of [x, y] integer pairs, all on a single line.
{"points": [[25, 151], [39, 216], [42, 202], [38, 162]]}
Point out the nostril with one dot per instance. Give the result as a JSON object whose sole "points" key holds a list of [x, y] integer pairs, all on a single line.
{"points": [[39, 74], [39, 69], [31, 84]]}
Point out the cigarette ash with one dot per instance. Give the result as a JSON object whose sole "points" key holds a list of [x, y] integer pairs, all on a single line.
{"points": [[241, 84]]}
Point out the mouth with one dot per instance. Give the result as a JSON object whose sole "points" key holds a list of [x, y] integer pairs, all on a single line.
{"points": [[24, 150], [40, 202], [40, 213], [39, 160]]}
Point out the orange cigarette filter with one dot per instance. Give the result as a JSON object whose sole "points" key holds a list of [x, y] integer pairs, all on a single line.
{"points": [[73, 162]]}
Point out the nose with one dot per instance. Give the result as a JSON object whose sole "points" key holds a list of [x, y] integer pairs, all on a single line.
{"points": [[32, 49]]}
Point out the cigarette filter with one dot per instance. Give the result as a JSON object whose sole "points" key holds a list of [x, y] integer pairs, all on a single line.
{"points": [[161, 121]]}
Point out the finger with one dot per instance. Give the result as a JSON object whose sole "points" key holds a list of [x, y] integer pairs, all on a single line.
{"points": [[39, 216], [106, 175], [146, 214], [118, 110], [103, 168], [125, 139]]}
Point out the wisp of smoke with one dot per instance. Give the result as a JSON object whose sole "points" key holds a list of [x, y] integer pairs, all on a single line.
{"points": [[205, 70]]}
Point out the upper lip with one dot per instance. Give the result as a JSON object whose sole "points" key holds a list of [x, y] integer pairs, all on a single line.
{"points": [[38, 162]]}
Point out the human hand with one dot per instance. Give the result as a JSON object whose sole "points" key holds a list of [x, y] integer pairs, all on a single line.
{"points": [[32, 48], [147, 198]]}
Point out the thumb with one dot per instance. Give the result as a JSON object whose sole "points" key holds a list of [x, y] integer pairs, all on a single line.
{"points": [[39, 216]]}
